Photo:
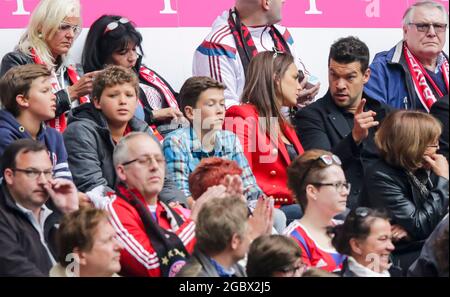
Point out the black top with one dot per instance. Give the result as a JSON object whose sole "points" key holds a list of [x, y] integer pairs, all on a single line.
{"points": [[291, 151]]}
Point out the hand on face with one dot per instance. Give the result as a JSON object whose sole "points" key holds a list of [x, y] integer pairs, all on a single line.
{"points": [[63, 193], [438, 163]]}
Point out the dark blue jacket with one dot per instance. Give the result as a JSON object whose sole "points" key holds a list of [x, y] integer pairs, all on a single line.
{"points": [[11, 130], [391, 82]]}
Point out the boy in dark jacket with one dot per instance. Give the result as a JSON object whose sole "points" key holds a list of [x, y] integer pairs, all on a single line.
{"points": [[28, 101], [95, 128]]}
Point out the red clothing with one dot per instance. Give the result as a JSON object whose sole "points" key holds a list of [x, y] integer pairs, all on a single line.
{"points": [[312, 254], [267, 161], [138, 257]]}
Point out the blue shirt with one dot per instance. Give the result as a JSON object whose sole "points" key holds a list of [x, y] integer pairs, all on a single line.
{"points": [[183, 152]]}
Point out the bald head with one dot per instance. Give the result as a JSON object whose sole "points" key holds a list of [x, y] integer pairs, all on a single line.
{"points": [[259, 12]]}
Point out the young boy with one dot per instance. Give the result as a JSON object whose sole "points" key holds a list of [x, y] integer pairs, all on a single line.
{"points": [[202, 102], [95, 128], [28, 101]]}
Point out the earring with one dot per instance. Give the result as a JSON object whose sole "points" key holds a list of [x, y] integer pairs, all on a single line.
{"points": [[40, 35]]}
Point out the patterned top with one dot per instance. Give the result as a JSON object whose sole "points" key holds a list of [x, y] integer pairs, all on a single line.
{"points": [[183, 151], [312, 254]]}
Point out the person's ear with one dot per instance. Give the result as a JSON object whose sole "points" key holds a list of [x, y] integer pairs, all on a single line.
{"points": [[266, 4], [81, 256], [120, 170], [355, 246], [189, 112], [96, 102], [235, 241], [311, 192], [366, 75], [8, 174], [22, 101]]}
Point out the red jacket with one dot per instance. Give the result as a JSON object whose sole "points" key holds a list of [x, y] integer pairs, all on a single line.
{"points": [[138, 257], [268, 162]]}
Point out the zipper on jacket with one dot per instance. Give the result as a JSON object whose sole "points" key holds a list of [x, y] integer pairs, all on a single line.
{"points": [[405, 102]]}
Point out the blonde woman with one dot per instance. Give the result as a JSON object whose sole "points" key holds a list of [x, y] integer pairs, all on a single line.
{"points": [[53, 27]]}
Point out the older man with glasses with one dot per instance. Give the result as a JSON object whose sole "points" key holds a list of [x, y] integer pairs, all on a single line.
{"points": [[415, 73]]}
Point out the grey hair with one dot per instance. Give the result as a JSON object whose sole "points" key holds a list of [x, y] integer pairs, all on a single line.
{"points": [[120, 154], [425, 3]]}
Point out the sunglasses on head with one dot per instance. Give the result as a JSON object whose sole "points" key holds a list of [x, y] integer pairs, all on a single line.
{"points": [[115, 24]]}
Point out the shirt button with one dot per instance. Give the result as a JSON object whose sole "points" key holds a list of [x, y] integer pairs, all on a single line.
{"points": [[273, 173], [275, 152], [274, 186]]}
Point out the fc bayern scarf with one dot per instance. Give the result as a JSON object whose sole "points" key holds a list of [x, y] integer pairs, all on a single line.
{"points": [[168, 246], [60, 122], [155, 81], [422, 80], [244, 42]]}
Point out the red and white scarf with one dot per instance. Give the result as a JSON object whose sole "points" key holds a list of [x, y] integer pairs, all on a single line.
{"points": [[155, 81], [59, 123], [422, 79]]}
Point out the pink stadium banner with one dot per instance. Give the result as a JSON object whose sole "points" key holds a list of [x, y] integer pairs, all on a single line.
{"points": [[201, 13]]}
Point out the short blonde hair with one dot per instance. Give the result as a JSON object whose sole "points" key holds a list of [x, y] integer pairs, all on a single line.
{"points": [[404, 136], [44, 24]]}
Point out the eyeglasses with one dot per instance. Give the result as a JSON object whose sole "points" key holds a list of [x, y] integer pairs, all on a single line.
{"points": [[65, 27], [145, 161], [276, 52], [436, 146], [424, 27], [340, 186], [34, 173], [362, 212], [293, 269], [325, 159], [329, 159], [115, 24]]}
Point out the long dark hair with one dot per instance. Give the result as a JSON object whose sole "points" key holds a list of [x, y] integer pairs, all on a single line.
{"points": [[260, 87], [100, 45]]}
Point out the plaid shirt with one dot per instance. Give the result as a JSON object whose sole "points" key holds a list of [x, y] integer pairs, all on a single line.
{"points": [[183, 152]]}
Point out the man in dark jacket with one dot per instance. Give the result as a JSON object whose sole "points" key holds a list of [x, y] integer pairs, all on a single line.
{"points": [[94, 129], [28, 218], [344, 120]]}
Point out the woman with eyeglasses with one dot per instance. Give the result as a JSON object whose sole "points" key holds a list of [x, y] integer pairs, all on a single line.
{"points": [[318, 183], [114, 40], [366, 238], [274, 256], [269, 141], [53, 27], [410, 180]]}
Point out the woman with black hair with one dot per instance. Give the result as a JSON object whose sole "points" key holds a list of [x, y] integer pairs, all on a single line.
{"points": [[366, 238], [114, 40]]}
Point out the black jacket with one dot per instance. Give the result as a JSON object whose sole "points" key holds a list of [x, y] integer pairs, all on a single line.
{"points": [[21, 251], [389, 187], [322, 125], [429, 263], [440, 110], [17, 58], [90, 152]]}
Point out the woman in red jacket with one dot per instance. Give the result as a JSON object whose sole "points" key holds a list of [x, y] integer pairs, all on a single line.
{"points": [[269, 141]]}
